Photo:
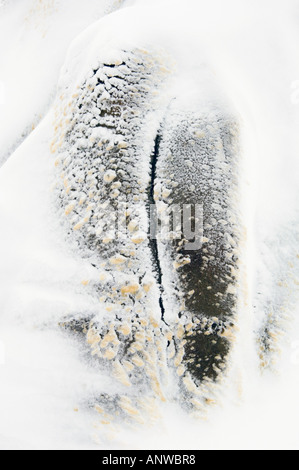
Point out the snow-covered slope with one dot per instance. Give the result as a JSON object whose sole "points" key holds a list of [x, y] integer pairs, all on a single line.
{"points": [[55, 278], [34, 37]]}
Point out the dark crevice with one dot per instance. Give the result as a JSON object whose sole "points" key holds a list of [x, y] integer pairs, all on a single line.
{"points": [[153, 239]]}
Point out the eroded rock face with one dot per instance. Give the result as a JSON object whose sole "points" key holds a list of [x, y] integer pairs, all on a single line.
{"points": [[166, 305]]}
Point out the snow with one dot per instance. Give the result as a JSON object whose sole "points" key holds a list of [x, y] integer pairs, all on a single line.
{"points": [[34, 38], [48, 385]]}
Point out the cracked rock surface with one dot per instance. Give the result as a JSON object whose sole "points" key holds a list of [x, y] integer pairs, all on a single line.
{"points": [[126, 155]]}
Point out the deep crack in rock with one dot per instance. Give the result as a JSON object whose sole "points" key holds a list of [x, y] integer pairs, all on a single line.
{"points": [[153, 221]]}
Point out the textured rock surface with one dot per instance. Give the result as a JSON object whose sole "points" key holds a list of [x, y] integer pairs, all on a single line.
{"points": [[165, 308], [104, 173], [198, 166]]}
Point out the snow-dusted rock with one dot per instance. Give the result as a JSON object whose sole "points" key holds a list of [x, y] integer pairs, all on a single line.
{"points": [[104, 138], [198, 172], [123, 147]]}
